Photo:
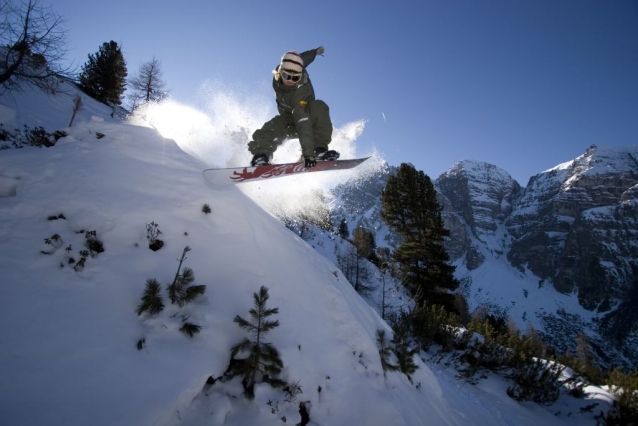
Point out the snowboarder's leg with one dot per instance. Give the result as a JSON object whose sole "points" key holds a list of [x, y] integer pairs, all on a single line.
{"points": [[322, 129], [267, 139], [321, 123]]}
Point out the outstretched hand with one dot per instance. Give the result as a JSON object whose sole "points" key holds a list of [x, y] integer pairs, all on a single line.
{"points": [[320, 50]]}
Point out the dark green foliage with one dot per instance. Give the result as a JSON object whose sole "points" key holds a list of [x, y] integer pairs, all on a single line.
{"points": [[625, 409], [410, 208], [497, 346], [365, 244], [343, 229], [538, 381], [104, 74], [206, 209], [99, 135], [402, 344], [151, 298], [385, 352], [181, 291], [37, 137], [141, 343], [432, 325], [584, 362], [263, 361], [190, 329]]}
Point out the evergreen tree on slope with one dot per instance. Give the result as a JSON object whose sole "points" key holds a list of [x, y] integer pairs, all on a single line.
{"points": [[410, 208], [263, 362], [104, 74]]}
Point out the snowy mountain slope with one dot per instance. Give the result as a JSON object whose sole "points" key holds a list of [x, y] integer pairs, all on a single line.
{"points": [[69, 337], [81, 328]]}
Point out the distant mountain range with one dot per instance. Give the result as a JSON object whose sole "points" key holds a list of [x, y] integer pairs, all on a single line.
{"points": [[561, 253]]}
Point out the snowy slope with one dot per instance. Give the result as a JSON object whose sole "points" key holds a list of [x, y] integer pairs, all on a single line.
{"points": [[69, 338]]}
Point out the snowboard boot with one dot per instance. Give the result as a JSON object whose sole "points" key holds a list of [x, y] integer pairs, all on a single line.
{"points": [[323, 154], [260, 160]]}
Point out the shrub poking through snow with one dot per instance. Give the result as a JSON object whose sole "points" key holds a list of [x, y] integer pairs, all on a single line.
{"points": [[151, 298], [625, 408], [57, 217], [292, 390], [538, 381], [93, 243], [405, 355], [51, 244], [80, 264], [181, 291], [152, 234], [385, 352], [206, 209], [263, 363], [141, 343]]}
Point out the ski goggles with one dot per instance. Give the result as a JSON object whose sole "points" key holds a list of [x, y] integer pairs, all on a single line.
{"points": [[289, 76]]}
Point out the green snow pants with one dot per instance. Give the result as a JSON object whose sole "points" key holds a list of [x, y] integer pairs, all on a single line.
{"points": [[282, 127]]}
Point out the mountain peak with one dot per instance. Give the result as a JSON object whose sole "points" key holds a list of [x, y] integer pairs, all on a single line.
{"points": [[478, 171]]}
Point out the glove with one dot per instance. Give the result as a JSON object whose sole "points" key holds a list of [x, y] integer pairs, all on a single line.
{"points": [[310, 161], [320, 50]]}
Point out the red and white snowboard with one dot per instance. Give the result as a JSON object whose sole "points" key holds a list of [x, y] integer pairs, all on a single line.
{"points": [[273, 171]]}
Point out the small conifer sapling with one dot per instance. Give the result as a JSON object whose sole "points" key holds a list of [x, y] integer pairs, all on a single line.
{"points": [[181, 291], [385, 352], [263, 363], [151, 298]]}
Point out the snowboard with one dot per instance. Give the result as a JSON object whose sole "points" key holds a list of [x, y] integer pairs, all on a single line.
{"points": [[273, 171]]}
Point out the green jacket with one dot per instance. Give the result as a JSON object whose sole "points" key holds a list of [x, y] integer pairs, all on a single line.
{"points": [[292, 103]]}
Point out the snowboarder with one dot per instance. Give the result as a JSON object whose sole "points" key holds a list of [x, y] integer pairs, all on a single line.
{"points": [[300, 114]]}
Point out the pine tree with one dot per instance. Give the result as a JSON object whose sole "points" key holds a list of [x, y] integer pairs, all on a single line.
{"points": [[104, 74], [405, 355], [385, 351], [263, 362], [181, 291], [343, 229], [365, 243], [411, 209]]}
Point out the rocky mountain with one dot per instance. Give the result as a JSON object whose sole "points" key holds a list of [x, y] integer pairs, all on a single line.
{"points": [[561, 253], [577, 226], [477, 197]]}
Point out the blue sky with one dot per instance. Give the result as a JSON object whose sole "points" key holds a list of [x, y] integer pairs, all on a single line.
{"points": [[524, 85]]}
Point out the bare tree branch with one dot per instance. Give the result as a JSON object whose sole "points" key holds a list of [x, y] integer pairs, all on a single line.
{"points": [[33, 46]]}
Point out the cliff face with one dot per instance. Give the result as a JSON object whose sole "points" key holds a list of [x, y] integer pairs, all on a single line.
{"points": [[576, 225], [479, 196]]}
